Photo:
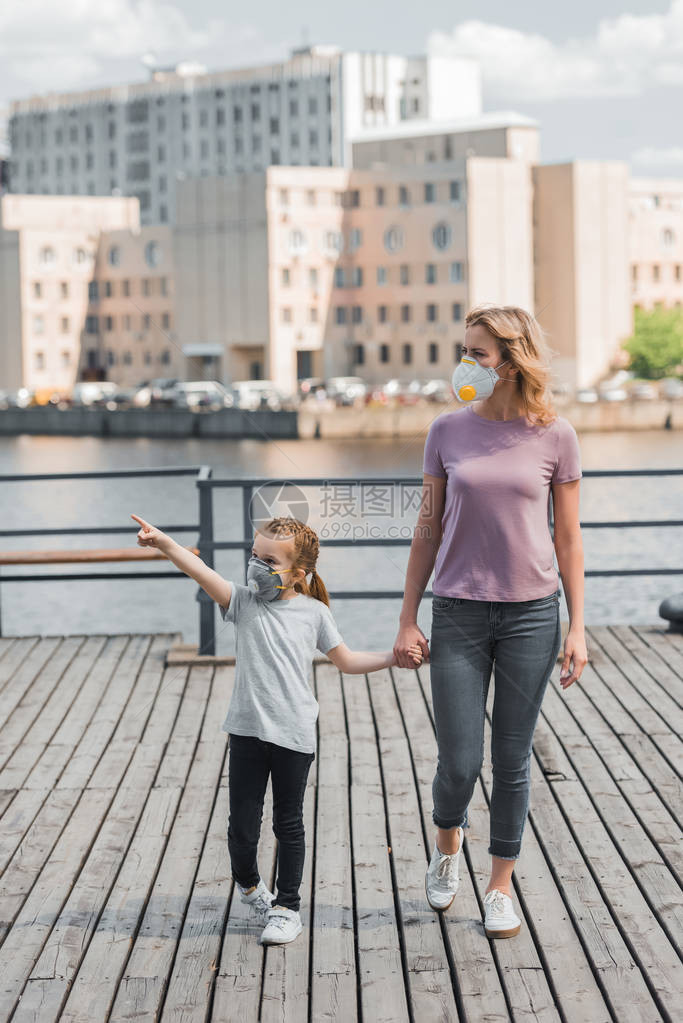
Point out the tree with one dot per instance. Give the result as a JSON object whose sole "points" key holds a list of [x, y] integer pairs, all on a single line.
{"points": [[656, 348]]}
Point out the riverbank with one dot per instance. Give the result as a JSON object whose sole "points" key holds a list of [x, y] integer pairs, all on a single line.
{"points": [[310, 422]]}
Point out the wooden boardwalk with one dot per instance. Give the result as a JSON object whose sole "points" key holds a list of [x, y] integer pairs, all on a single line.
{"points": [[116, 901]]}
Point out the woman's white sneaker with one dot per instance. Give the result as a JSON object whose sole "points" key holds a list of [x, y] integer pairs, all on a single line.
{"points": [[260, 898], [442, 877], [283, 925], [500, 920]]}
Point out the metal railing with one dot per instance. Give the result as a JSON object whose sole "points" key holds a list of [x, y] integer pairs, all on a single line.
{"points": [[207, 544]]}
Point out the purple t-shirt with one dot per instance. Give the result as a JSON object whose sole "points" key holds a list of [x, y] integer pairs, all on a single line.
{"points": [[496, 542]]}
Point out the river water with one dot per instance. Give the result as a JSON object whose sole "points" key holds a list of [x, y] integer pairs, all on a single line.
{"points": [[108, 606]]}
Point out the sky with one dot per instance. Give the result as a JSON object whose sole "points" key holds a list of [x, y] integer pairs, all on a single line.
{"points": [[604, 79]]}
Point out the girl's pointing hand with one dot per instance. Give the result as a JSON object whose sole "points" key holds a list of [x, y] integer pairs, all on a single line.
{"points": [[148, 535]]}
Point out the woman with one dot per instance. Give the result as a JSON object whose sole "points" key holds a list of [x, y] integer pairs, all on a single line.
{"points": [[488, 472]]}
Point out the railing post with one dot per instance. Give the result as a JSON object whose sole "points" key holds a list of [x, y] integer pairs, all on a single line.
{"points": [[207, 631], [247, 527]]}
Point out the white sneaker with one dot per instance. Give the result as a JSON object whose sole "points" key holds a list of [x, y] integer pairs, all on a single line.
{"points": [[500, 921], [283, 925], [442, 878], [260, 899]]}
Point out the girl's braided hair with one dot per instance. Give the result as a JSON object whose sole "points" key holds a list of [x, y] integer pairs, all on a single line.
{"points": [[306, 551]]}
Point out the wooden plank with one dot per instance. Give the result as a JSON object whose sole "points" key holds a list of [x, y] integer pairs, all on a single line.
{"points": [[431, 988], [382, 984], [29, 672], [94, 987], [635, 787], [6, 643], [656, 640], [285, 994], [145, 977], [15, 655], [333, 988], [53, 691], [651, 676], [615, 968], [17, 821], [479, 984], [237, 988], [6, 798], [73, 688], [654, 877]]}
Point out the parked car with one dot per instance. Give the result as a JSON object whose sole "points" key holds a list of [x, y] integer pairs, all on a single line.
{"points": [[122, 397], [162, 391], [586, 395], [92, 392], [204, 395], [252, 395], [346, 390], [614, 394], [643, 392], [437, 390], [671, 387], [616, 381], [403, 392]]}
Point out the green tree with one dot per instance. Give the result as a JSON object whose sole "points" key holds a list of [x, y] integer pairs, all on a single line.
{"points": [[656, 348]]}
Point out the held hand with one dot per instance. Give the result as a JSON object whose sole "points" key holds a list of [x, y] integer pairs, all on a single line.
{"points": [[576, 653], [409, 638], [150, 536]]}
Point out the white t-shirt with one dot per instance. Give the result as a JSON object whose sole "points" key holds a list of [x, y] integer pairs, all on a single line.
{"points": [[275, 643]]}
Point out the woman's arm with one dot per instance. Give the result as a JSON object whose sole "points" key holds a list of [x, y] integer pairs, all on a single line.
{"points": [[362, 662], [569, 550], [218, 588], [423, 551]]}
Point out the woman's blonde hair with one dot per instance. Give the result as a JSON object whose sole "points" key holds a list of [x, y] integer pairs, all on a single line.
{"points": [[306, 551], [523, 343]]}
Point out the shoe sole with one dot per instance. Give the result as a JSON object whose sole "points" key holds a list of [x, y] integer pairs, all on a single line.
{"points": [[285, 942], [510, 933], [439, 909]]}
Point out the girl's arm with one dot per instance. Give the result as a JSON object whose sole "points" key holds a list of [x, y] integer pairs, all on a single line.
{"points": [[218, 588], [362, 662], [423, 551]]}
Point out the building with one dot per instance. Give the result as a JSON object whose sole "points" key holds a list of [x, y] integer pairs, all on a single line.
{"points": [[655, 236], [298, 272], [141, 139], [85, 293]]}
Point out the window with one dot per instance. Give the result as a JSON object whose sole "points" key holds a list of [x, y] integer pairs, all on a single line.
{"points": [[152, 253], [332, 241], [403, 196], [93, 291], [356, 314], [381, 275], [165, 357], [293, 108], [146, 287], [384, 353], [125, 288], [393, 239], [38, 325], [404, 273], [108, 323], [340, 314], [432, 313], [339, 281], [313, 277], [357, 277], [634, 273], [64, 289], [381, 314], [166, 321], [678, 272], [114, 256], [359, 354], [405, 314], [92, 325], [37, 289], [80, 257], [379, 196], [147, 358], [146, 321], [457, 272], [433, 352], [64, 324], [355, 239], [127, 358], [312, 105], [237, 115], [313, 138], [454, 191], [40, 360], [430, 273], [456, 312], [352, 198], [297, 242], [255, 112], [287, 314], [655, 272], [430, 192], [441, 236], [313, 314], [294, 140], [127, 321], [668, 237], [407, 352], [66, 358], [286, 277], [204, 149], [47, 256]]}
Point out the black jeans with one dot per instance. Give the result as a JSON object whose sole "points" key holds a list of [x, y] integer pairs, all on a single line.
{"points": [[251, 762]]}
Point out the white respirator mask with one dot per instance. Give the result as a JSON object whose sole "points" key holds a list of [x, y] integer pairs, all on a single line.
{"points": [[470, 380]]}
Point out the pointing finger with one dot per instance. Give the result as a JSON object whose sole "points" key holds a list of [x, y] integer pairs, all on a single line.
{"points": [[142, 522]]}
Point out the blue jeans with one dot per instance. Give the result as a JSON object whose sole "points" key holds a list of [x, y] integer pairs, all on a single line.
{"points": [[523, 638]]}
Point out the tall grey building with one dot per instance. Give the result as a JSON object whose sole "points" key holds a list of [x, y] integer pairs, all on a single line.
{"points": [[140, 139]]}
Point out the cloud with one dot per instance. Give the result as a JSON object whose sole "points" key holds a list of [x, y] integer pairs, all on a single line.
{"points": [[624, 56], [71, 44], [649, 156]]}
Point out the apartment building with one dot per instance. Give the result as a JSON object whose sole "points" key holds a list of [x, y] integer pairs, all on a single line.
{"points": [[655, 235], [141, 139]]}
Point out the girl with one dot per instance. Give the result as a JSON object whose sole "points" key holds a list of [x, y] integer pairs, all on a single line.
{"points": [[281, 617], [488, 473]]}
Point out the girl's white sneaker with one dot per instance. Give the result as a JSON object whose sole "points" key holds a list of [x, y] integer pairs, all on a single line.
{"points": [[260, 900], [442, 878], [500, 921], [283, 925]]}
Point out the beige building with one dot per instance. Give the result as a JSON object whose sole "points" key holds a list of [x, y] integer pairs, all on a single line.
{"points": [[580, 265], [655, 235]]}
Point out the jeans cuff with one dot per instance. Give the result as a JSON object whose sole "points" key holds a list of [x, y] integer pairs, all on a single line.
{"points": [[494, 851], [446, 825]]}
